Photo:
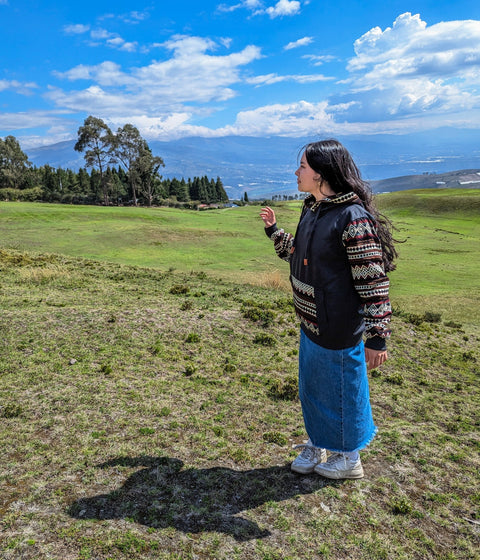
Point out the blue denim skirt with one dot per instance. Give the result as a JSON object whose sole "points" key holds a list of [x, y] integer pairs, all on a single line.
{"points": [[335, 398]]}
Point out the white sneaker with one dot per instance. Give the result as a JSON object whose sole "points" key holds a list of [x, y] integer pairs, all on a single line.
{"points": [[310, 457], [339, 466]]}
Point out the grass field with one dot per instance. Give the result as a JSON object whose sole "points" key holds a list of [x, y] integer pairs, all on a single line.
{"points": [[438, 269], [150, 413]]}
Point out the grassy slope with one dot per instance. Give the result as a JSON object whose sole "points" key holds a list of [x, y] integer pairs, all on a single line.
{"points": [[145, 415], [120, 439], [438, 269]]}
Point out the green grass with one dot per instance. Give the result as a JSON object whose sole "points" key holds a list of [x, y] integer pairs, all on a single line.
{"points": [[136, 426], [438, 270]]}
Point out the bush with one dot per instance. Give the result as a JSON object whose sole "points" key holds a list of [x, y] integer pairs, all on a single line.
{"points": [[265, 340], [10, 410], [431, 317], [401, 506], [286, 390], [275, 437], [266, 316], [179, 289], [190, 369], [192, 337]]}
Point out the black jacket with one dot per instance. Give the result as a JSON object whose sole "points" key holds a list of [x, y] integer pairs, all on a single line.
{"points": [[327, 300]]}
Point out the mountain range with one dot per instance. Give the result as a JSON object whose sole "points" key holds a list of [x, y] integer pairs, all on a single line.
{"points": [[263, 167]]}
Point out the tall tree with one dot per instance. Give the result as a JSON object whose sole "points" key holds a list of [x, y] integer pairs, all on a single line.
{"points": [[96, 139], [13, 163], [145, 169], [222, 195], [141, 166]]}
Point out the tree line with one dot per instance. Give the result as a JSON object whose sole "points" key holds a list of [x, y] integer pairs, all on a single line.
{"points": [[119, 169]]}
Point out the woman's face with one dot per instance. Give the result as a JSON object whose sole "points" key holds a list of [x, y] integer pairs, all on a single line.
{"points": [[308, 181]]}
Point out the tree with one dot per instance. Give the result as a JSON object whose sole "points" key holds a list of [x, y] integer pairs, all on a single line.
{"points": [[145, 170], [141, 166], [14, 163], [222, 196], [96, 139], [245, 197]]}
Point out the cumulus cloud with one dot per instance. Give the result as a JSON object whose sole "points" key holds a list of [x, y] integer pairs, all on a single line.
{"points": [[76, 29], [190, 75], [299, 43], [411, 68], [293, 119], [284, 8]]}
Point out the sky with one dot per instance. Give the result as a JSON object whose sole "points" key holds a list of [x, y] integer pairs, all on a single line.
{"points": [[260, 68]]}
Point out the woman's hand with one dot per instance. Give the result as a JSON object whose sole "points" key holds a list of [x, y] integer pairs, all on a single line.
{"points": [[375, 358], [268, 217]]}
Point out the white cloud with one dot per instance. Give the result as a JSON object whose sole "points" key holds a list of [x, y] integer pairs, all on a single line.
{"points": [[112, 40], [248, 4], [280, 9], [135, 17], [24, 88], [269, 79], [294, 119], [284, 8], [411, 68], [100, 34], [299, 43], [31, 119], [318, 60], [190, 75], [76, 29]]}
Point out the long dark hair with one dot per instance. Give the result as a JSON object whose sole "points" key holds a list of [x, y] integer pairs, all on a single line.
{"points": [[333, 162]]}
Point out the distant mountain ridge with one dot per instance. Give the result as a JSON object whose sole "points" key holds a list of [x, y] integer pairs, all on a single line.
{"points": [[262, 167], [466, 178]]}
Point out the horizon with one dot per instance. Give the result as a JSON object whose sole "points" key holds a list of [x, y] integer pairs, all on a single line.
{"points": [[246, 68]]}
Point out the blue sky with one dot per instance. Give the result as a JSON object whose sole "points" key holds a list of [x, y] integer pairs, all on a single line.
{"points": [[238, 67]]}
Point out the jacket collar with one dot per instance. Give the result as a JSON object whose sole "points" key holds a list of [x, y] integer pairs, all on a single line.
{"points": [[313, 204]]}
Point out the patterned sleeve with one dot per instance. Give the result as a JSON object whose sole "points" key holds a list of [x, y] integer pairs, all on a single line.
{"points": [[282, 241], [364, 253]]}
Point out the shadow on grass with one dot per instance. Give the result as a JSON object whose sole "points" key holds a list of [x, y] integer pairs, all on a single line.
{"points": [[195, 500]]}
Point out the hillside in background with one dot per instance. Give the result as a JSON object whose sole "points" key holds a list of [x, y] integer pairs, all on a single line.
{"points": [[263, 167], [467, 178]]}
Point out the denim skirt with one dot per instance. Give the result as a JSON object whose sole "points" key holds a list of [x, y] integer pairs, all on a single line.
{"points": [[335, 398]]}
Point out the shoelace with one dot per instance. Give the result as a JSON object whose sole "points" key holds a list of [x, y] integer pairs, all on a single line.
{"points": [[308, 452]]}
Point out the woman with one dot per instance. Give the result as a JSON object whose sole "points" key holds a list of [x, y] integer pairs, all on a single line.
{"points": [[338, 262]]}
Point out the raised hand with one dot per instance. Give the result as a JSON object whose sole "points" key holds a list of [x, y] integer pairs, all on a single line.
{"points": [[268, 216]]}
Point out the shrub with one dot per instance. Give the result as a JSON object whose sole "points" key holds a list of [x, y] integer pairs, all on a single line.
{"points": [[415, 318], [266, 316], [431, 317], [394, 379], [106, 369], [275, 437], [179, 289], [10, 410], [401, 506], [265, 339], [453, 325], [286, 390], [192, 337]]}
